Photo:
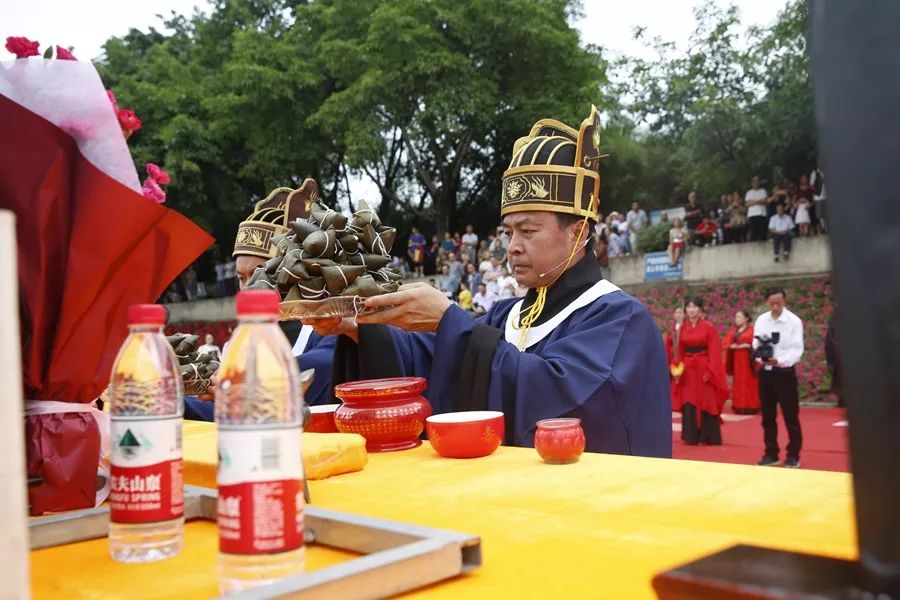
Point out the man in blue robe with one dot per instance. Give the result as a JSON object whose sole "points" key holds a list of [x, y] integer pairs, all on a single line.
{"points": [[574, 346], [253, 246]]}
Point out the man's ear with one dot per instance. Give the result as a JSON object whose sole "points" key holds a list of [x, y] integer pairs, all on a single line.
{"points": [[575, 228]]}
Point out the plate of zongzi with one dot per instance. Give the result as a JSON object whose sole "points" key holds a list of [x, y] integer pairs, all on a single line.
{"points": [[329, 263]]}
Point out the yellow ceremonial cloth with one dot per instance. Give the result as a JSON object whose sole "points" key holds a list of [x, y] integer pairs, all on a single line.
{"points": [[324, 454], [600, 528], [85, 570]]}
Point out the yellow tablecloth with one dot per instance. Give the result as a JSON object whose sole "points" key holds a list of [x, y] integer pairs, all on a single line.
{"points": [[600, 528]]}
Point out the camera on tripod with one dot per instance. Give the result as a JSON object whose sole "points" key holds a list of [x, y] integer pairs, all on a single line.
{"points": [[766, 349]]}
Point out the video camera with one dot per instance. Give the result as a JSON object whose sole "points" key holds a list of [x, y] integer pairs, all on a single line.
{"points": [[766, 348]]}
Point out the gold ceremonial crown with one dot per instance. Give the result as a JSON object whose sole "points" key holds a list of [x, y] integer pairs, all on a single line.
{"points": [[271, 218], [555, 168]]}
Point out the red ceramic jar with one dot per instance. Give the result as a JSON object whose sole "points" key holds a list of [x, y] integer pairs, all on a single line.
{"points": [[559, 441], [389, 413]]}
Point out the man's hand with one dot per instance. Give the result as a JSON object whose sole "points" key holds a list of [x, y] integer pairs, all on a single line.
{"points": [[334, 326], [415, 307]]}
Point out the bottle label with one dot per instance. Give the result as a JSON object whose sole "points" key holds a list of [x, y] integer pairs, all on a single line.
{"points": [[146, 470], [260, 509]]}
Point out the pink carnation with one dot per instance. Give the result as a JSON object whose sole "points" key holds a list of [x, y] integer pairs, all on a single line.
{"points": [[158, 174], [129, 121], [63, 54], [22, 47], [152, 191]]}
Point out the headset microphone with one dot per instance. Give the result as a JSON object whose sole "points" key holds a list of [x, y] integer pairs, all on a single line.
{"points": [[583, 244]]}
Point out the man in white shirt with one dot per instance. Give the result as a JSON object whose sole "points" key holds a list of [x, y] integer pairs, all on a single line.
{"points": [[485, 265], [614, 246], [483, 300], [210, 347], [756, 199], [506, 284], [777, 377], [503, 237], [781, 224], [637, 220], [620, 226], [470, 237], [492, 275]]}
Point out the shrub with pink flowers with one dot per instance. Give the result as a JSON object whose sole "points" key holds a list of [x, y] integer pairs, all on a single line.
{"points": [[809, 298]]}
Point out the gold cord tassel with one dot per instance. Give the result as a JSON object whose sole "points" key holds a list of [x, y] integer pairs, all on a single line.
{"points": [[530, 315]]}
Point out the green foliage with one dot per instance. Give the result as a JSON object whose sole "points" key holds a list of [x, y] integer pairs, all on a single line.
{"points": [[427, 98], [654, 238], [734, 106], [437, 92]]}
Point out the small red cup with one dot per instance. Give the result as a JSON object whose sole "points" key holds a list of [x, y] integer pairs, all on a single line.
{"points": [[468, 434], [559, 441], [322, 419]]}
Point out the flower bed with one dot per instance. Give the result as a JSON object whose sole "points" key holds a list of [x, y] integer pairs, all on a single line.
{"points": [[809, 298]]}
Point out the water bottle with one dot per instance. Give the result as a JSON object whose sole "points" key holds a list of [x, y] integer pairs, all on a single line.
{"points": [[146, 500], [260, 477]]}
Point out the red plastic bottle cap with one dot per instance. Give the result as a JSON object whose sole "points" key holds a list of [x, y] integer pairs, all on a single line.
{"points": [[146, 314], [257, 302]]}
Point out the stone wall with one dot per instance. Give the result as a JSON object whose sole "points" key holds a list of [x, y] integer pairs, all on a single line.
{"points": [[212, 310], [809, 256]]}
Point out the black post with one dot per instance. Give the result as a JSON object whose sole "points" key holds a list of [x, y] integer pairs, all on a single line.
{"points": [[855, 52]]}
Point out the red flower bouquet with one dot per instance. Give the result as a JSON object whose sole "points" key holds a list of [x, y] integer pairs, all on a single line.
{"points": [[89, 245]]}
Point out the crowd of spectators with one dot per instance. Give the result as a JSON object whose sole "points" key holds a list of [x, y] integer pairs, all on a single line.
{"points": [[791, 209], [468, 269], [475, 266]]}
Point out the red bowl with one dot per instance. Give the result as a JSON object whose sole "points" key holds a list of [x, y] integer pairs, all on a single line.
{"points": [[322, 419], [465, 434]]}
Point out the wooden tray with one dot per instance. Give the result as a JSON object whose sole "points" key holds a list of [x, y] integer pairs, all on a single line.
{"points": [[399, 557]]}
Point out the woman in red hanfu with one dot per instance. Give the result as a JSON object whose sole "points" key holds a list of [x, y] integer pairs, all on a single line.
{"points": [[738, 346], [704, 387], [676, 364]]}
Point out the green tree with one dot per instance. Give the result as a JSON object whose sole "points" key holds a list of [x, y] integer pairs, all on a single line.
{"points": [[225, 101], [425, 98], [735, 105], [438, 91]]}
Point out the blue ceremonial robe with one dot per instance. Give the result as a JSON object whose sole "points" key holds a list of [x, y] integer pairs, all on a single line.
{"points": [[598, 356]]}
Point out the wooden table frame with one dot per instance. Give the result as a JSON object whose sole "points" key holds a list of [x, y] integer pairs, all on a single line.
{"points": [[398, 557]]}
